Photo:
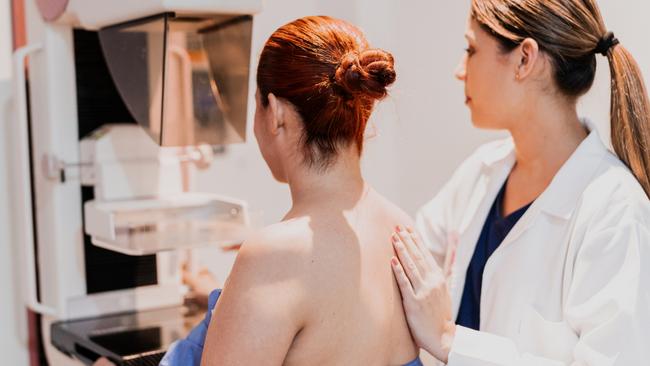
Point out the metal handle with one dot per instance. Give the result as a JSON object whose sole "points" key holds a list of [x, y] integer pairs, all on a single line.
{"points": [[24, 177]]}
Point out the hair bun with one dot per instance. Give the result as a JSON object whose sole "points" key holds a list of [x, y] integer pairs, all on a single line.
{"points": [[367, 73]]}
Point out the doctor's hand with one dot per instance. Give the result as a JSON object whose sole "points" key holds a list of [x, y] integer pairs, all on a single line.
{"points": [[425, 294]]}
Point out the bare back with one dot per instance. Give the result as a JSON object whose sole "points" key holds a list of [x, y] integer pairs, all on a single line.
{"points": [[315, 289], [355, 311]]}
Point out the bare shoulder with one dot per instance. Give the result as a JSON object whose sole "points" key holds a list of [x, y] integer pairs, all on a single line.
{"points": [[276, 252], [287, 237], [392, 211], [263, 299], [270, 269]]}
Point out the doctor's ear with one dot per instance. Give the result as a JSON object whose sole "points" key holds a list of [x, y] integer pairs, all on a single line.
{"points": [[278, 114], [528, 55]]}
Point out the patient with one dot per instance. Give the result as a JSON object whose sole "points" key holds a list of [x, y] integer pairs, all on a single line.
{"points": [[315, 289]]}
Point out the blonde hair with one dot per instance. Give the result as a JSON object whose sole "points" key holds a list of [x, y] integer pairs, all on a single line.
{"points": [[571, 33]]}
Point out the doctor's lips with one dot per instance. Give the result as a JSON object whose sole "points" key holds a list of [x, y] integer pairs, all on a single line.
{"points": [[467, 99]]}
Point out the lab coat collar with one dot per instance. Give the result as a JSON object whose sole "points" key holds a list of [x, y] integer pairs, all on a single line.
{"points": [[505, 151], [561, 197]]}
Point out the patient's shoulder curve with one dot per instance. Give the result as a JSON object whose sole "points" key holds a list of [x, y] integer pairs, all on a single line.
{"points": [[289, 235], [277, 247]]}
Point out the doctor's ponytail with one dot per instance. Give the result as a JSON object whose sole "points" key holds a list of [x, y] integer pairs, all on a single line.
{"points": [[630, 115], [572, 33]]}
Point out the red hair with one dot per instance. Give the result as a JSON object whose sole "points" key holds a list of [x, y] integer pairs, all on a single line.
{"points": [[325, 68]]}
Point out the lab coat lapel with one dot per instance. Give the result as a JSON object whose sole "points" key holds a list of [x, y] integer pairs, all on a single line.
{"points": [[562, 196], [495, 170], [558, 200], [521, 226]]}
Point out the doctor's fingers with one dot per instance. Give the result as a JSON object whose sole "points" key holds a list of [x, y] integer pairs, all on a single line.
{"points": [[424, 250], [407, 263], [405, 287], [415, 252]]}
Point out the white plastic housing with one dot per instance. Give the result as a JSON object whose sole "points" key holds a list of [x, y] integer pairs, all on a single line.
{"points": [[95, 14], [141, 227]]}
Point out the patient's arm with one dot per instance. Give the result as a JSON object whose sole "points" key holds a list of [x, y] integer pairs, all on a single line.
{"points": [[262, 306]]}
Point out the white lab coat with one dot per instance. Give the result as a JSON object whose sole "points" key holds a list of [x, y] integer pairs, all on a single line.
{"points": [[570, 284]]}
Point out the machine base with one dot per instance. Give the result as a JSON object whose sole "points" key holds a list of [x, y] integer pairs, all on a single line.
{"points": [[131, 339]]}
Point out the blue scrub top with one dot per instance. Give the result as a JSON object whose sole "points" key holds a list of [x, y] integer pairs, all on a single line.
{"points": [[495, 229]]}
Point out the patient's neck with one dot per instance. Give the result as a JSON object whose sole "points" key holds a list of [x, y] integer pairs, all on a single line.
{"points": [[339, 186]]}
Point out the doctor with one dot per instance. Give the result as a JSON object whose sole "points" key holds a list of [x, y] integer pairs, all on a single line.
{"points": [[537, 251]]}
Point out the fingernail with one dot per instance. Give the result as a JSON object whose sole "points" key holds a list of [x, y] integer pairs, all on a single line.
{"points": [[398, 227], [393, 261]]}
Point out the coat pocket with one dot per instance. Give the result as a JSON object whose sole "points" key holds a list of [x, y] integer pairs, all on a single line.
{"points": [[541, 337]]}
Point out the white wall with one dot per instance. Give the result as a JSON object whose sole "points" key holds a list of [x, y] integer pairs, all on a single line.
{"points": [[13, 347], [428, 125]]}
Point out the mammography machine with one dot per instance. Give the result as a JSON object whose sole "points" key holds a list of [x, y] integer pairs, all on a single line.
{"points": [[117, 104]]}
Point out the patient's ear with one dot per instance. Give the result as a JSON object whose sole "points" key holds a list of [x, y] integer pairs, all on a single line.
{"points": [[278, 113]]}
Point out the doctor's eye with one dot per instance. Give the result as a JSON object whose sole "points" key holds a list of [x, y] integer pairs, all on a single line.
{"points": [[470, 51]]}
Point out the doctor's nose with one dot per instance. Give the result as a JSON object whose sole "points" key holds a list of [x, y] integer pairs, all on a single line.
{"points": [[461, 69]]}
